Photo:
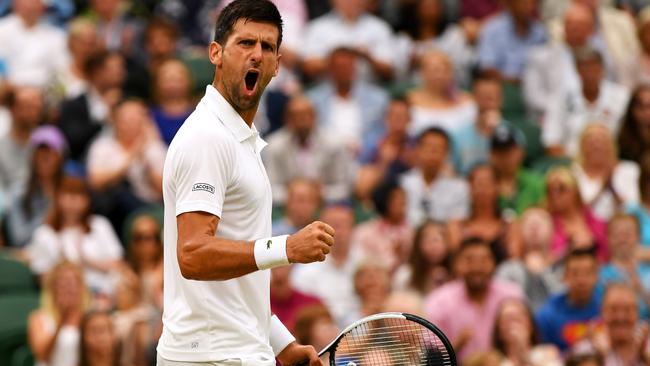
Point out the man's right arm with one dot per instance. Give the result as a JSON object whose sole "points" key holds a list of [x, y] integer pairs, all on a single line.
{"points": [[204, 257]]}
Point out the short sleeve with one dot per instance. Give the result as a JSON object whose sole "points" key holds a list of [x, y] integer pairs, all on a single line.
{"points": [[552, 129], [42, 250], [488, 52], [202, 172], [111, 247]]}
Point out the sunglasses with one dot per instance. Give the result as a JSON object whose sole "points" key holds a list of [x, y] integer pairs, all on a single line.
{"points": [[138, 237]]}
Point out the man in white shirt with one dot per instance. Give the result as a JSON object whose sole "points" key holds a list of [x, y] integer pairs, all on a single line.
{"points": [[598, 100], [32, 50], [217, 244]]}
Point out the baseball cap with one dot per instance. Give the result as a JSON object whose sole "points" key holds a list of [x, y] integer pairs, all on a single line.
{"points": [[49, 136], [506, 136]]}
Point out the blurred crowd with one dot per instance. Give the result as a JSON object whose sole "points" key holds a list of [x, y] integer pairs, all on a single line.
{"points": [[485, 164]]}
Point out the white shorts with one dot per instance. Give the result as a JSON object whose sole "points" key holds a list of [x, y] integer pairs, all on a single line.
{"points": [[162, 362]]}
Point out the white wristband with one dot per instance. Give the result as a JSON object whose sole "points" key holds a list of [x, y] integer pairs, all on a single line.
{"points": [[279, 337], [271, 252]]}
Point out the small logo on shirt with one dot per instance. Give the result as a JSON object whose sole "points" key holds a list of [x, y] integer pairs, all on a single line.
{"points": [[268, 244], [203, 187], [194, 345]]}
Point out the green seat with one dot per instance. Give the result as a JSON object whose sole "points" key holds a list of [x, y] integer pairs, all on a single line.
{"points": [[202, 71], [14, 311], [22, 356], [15, 277]]}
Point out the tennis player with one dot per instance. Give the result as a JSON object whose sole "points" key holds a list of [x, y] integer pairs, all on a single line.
{"points": [[218, 249]]}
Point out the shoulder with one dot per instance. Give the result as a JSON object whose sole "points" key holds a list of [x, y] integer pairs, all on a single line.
{"points": [[374, 23], [615, 90], [447, 293], [200, 134], [626, 168], [323, 22], [100, 223], [495, 25], [278, 139]]}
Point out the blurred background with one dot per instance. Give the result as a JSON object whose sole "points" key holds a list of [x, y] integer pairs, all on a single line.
{"points": [[484, 163]]}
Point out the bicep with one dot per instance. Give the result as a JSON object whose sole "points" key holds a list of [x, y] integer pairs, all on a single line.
{"points": [[191, 225]]}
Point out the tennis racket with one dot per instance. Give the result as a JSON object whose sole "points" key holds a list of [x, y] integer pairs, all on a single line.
{"points": [[390, 339]]}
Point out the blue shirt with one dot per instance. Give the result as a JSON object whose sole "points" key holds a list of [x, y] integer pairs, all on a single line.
{"points": [[501, 48], [469, 148], [562, 323], [168, 125], [612, 274], [643, 216]]}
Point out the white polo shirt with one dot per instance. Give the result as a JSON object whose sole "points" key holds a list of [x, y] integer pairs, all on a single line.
{"points": [[213, 165]]}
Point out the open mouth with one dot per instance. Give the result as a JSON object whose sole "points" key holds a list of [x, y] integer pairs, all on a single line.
{"points": [[251, 79]]}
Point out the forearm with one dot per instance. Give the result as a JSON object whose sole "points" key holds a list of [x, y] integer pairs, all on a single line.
{"points": [[208, 258], [100, 180]]}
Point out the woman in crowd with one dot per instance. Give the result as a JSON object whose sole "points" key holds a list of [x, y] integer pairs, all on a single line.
{"points": [[634, 137], [485, 219], [99, 346], [534, 271], [72, 233], [438, 101], [145, 254], [53, 329], [83, 41], [45, 173], [606, 183], [517, 340], [642, 209], [426, 28], [574, 224], [315, 326], [639, 72], [387, 238], [172, 90], [372, 286], [429, 264]]}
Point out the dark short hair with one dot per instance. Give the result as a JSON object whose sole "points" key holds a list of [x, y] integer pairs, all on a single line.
{"points": [[474, 241], [433, 131], [382, 194], [262, 11], [574, 254], [97, 61]]}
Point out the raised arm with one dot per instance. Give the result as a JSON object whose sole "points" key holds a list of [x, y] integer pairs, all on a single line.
{"points": [[203, 256]]}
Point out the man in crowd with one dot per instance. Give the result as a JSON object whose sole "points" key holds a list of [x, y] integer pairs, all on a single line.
{"points": [[303, 201]]}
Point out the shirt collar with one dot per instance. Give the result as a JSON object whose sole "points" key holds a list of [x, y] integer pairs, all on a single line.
{"points": [[220, 107]]}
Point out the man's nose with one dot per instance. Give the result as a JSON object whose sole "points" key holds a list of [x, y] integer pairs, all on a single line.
{"points": [[256, 53]]}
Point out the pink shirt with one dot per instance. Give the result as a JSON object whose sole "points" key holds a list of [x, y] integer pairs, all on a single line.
{"points": [[598, 228], [450, 308], [390, 244]]}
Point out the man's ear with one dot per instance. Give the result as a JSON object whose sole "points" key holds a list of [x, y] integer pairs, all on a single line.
{"points": [[277, 64], [215, 53]]}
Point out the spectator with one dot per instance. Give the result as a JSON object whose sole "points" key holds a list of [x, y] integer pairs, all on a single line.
{"points": [[345, 104], [485, 221], [430, 192], [615, 32], [83, 117], [72, 233], [303, 202], [27, 110], [83, 42], [172, 90], [535, 272], [566, 317], [160, 40], [315, 326], [541, 82], [429, 264], [599, 100], [126, 166], [387, 238], [32, 50], [388, 154], [519, 188], [641, 210], [574, 224], [286, 301], [506, 39], [634, 137], [606, 183], [303, 149], [625, 339], [134, 320], [472, 140], [639, 72], [427, 27], [348, 25], [332, 280], [516, 337], [438, 102], [117, 31], [372, 286], [475, 294], [33, 200], [623, 235], [145, 256], [53, 329], [98, 343]]}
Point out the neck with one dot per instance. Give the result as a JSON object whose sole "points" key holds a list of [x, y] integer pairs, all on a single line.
{"points": [[429, 176], [483, 210], [521, 26], [247, 115], [174, 104], [343, 90], [578, 301], [68, 222], [100, 359], [595, 168], [340, 256], [591, 92], [626, 351], [477, 296], [427, 30], [625, 260], [29, 22]]}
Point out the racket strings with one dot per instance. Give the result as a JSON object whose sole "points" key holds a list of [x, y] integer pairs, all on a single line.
{"points": [[391, 342]]}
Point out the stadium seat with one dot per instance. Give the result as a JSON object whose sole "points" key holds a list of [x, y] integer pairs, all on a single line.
{"points": [[14, 311], [15, 277], [22, 356]]}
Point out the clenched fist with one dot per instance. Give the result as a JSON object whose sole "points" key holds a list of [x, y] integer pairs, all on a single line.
{"points": [[310, 244]]}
